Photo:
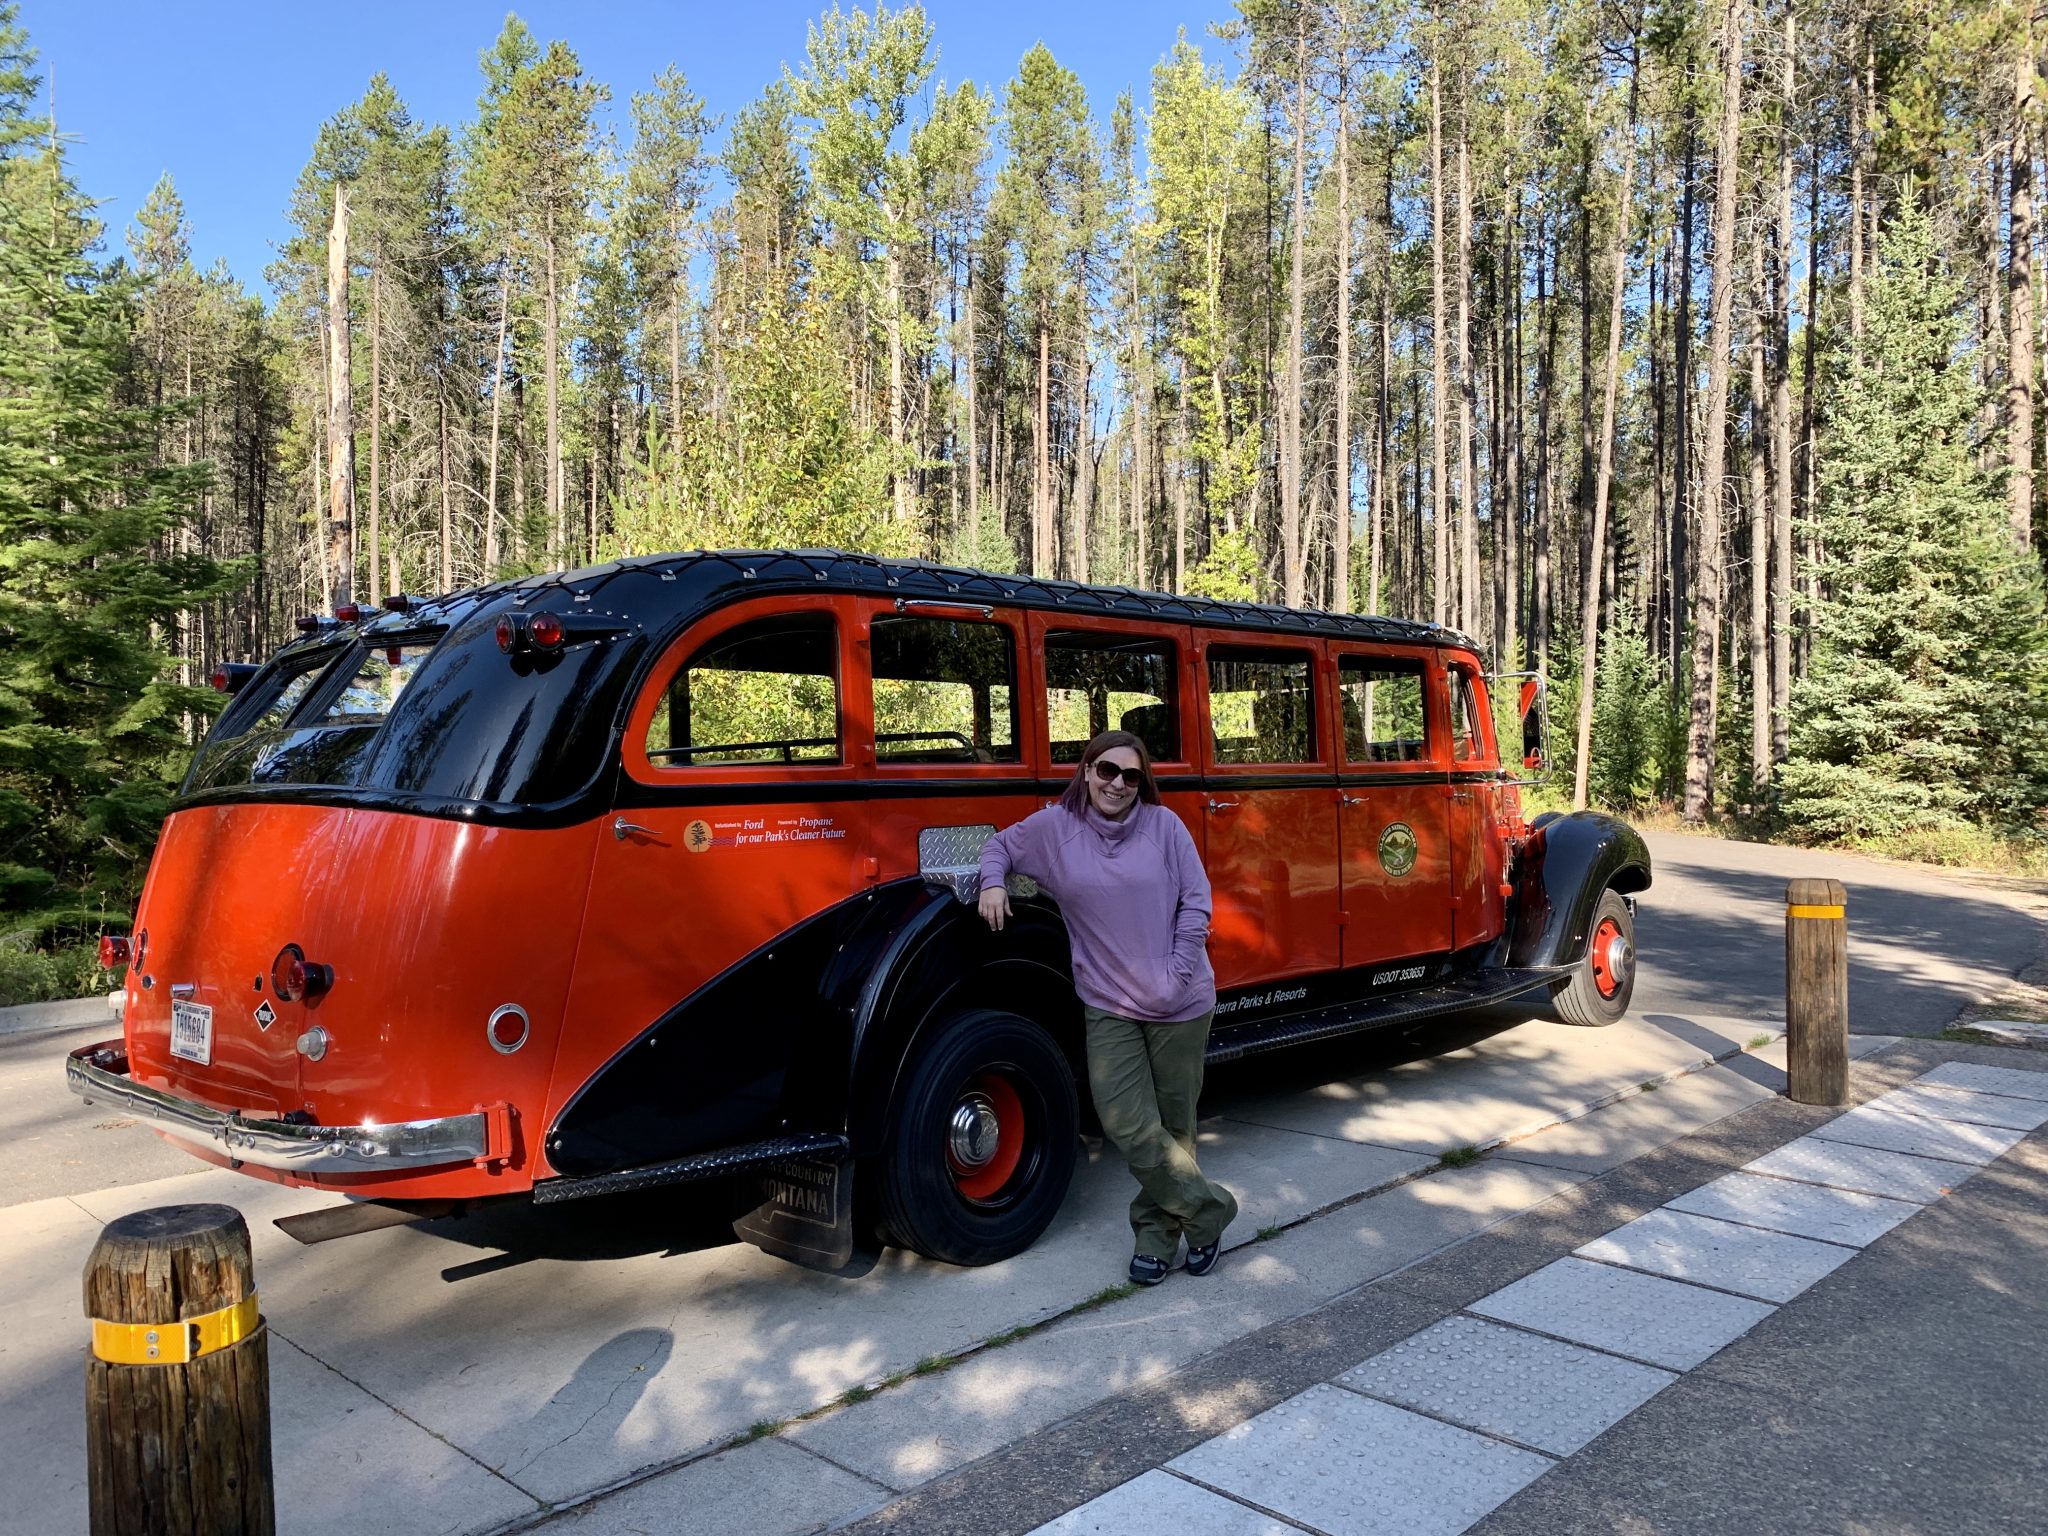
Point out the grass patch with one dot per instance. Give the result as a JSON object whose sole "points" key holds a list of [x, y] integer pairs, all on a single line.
{"points": [[761, 1429], [854, 1395], [931, 1365], [1008, 1336], [1963, 1034], [1267, 1234], [1758, 1042], [1106, 1295], [1650, 1086], [1459, 1157]]}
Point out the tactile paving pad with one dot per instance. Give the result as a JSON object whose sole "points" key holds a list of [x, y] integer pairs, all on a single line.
{"points": [[1804, 1210], [1552, 1395], [1665, 1322], [1158, 1501], [1918, 1136], [1350, 1466], [1843, 1165], [2006, 1080], [1970, 1106], [1769, 1265]]}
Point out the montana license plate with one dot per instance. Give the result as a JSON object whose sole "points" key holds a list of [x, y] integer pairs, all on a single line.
{"points": [[192, 1032]]}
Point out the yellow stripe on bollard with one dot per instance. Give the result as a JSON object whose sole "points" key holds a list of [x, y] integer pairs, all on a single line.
{"points": [[176, 1343], [1803, 911]]}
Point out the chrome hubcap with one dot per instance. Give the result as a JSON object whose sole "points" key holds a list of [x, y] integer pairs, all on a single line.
{"points": [[972, 1137], [1620, 956]]}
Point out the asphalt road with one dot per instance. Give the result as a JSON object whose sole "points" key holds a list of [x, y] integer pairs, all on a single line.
{"points": [[1710, 934]]}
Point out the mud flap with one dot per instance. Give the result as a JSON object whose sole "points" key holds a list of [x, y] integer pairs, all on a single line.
{"points": [[803, 1211]]}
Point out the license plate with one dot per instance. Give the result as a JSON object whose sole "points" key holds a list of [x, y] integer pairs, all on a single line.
{"points": [[192, 1032]]}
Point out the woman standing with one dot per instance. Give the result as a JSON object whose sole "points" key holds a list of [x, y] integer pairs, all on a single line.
{"points": [[1136, 902]]}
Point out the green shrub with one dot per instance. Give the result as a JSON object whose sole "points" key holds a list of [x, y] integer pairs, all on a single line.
{"points": [[32, 975]]}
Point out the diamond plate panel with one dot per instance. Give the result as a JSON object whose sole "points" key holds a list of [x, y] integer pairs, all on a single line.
{"points": [[1970, 1106], [1349, 1466], [1867, 1170], [1158, 1501], [1804, 1210], [1554, 1396], [1918, 1136], [2006, 1080], [1665, 1322], [1767, 1265], [951, 856]]}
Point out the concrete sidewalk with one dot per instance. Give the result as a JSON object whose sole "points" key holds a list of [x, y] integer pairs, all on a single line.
{"points": [[1795, 1320], [495, 1370]]}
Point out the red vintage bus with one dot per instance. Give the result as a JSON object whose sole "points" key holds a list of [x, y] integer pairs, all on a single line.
{"points": [[663, 870]]}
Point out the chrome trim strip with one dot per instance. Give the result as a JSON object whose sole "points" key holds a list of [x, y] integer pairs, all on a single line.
{"points": [[101, 1072]]}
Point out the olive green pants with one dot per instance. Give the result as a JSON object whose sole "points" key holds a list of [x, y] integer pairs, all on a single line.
{"points": [[1146, 1079]]}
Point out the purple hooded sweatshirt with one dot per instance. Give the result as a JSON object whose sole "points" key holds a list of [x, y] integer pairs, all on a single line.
{"points": [[1136, 901]]}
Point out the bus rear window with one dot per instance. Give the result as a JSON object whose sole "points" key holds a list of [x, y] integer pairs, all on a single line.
{"points": [[381, 676]]}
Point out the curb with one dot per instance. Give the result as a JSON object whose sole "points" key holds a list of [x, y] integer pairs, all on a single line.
{"points": [[71, 1013]]}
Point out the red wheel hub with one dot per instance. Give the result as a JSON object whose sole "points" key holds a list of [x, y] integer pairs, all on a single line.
{"points": [[985, 1136], [1609, 957]]}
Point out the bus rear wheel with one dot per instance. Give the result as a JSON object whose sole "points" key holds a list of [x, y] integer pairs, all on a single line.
{"points": [[1605, 980], [983, 1144]]}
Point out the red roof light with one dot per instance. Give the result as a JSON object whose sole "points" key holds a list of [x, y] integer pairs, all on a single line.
{"points": [[113, 950], [546, 631]]}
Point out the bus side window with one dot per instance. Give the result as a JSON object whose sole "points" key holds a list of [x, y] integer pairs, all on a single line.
{"points": [[1096, 682], [1261, 706], [1467, 745], [945, 691], [1384, 721], [765, 692]]}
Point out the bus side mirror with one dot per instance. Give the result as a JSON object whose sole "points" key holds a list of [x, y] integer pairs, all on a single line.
{"points": [[1533, 710]]}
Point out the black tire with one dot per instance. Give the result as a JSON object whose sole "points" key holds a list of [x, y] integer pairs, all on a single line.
{"points": [[979, 1212], [1605, 979]]}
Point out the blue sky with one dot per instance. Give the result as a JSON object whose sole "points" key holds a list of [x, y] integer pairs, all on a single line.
{"points": [[227, 96]]}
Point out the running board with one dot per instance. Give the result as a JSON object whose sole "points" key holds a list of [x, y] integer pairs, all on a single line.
{"points": [[1473, 991], [701, 1165], [324, 1226]]}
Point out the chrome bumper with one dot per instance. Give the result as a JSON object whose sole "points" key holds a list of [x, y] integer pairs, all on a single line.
{"points": [[100, 1072]]}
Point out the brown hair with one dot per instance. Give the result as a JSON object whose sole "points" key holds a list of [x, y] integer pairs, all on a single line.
{"points": [[1075, 796]]}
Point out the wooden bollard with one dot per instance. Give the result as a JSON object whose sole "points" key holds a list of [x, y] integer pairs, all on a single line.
{"points": [[1817, 992], [177, 1381]]}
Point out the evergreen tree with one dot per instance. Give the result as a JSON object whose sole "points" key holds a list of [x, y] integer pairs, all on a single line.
{"points": [[93, 732], [1924, 705]]}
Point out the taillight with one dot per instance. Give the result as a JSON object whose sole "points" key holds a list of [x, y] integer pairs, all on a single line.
{"points": [[113, 950], [545, 630], [229, 676], [348, 613], [308, 623], [293, 976], [508, 633], [401, 602]]}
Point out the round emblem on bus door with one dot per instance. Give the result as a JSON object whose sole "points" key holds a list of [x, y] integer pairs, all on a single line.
{"points": [[1397, 849], [697, 836]]}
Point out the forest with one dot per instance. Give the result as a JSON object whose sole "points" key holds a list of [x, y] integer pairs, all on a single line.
{"points": [[1688, 353]]}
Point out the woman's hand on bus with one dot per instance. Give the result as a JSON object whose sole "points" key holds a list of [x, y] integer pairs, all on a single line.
{"points": [[995, 907]]}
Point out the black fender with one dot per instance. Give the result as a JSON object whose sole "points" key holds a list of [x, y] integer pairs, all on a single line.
{"points": [[942, 960], [811, 1031], [1567, 862]]}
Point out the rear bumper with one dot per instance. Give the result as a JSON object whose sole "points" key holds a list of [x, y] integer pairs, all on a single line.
{"points": [[101, 1072]]}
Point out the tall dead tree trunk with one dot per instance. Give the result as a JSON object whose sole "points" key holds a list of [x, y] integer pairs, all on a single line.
{"points": [[1589, 617], [1781, 416], [490, 569], [1759, 535], [1292, 574], [1469, 617], [558, 531], [1699, 768], [376, 416], [2019, 385], [1440, 608], [1342, 555], [341, 427], [1041, 455]]}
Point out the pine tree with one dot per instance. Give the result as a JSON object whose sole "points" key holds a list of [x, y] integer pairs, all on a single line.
{"points": [[1923, 707], [92, 728]]}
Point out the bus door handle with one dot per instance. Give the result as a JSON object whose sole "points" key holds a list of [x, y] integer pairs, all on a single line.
{"points": [[1223, 805], [1351, 799], [623, 829]]}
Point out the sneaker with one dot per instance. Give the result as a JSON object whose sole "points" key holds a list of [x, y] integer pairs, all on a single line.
{"points": [[1203, 1259], [1146, 1270]]}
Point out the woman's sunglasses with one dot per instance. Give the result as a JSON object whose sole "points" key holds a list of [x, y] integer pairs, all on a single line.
{"points": [[1109, 773]]}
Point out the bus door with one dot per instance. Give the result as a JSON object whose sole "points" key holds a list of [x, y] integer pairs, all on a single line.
{"points": [[737, 818], [1393, 814], [1478, 848], [1114, 674], [1271, 826]]}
